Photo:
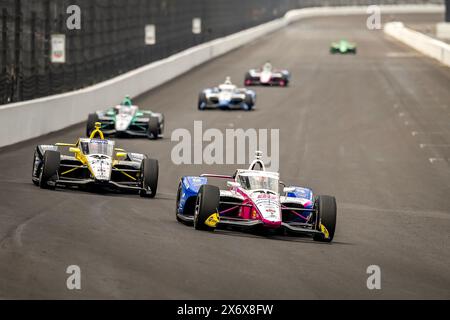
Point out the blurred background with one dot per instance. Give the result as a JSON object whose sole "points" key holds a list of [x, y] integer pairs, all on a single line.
{"points": [[111, 40]]}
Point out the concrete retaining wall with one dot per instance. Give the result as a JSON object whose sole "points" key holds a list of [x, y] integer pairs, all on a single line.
{"points": [[428, 46], [29, 119]]}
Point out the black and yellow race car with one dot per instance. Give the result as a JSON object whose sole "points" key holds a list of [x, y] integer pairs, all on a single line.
{"points": [[94, 163]]}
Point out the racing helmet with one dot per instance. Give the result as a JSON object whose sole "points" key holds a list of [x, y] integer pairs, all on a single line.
{"points": [[267, 66], [127, 101], [228, 81], [262, 181]]}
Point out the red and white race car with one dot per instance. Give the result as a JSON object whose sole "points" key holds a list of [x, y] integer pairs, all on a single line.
{"points": [[267, 75], [252, 200]]}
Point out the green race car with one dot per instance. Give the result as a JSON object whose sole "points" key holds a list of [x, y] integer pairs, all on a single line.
{"points": [[127, 120], [343, 47]]}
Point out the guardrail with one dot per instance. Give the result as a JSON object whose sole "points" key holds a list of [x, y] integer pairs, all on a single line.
{"points": [[30, 119], [424, 44]]}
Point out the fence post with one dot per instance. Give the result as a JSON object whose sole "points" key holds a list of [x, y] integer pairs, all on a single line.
{"points": [[34, 69], [447, 10], [17, 51], [5, 91], [47, 69]]}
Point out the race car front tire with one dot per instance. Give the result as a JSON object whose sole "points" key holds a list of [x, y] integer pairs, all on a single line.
{"points": [[35, 171], [208, 199], [326, 206], [90, 125], [249, 102], [179, 191], [149, 176], [201, 100], [50, 168], [153, 128], [248, 79]]}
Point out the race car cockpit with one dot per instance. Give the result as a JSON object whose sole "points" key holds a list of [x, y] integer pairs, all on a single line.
{"points": [[227, 85], [126, 101], [267, 67]]}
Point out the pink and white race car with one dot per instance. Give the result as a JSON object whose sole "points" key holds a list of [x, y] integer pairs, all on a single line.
{"points": [[267, 75], [253, 200]]}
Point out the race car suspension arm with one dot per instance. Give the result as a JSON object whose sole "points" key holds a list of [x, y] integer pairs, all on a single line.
{"points": [[219, 176], [294, 211], [73, 168], [228, 210], [126, 174], [235, 206]]}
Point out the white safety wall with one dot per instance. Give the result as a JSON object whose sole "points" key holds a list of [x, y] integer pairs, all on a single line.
{"points": [[29, 119]]}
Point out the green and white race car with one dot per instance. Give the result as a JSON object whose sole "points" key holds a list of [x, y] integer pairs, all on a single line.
{"points": [[343, 47], [127, 119]]}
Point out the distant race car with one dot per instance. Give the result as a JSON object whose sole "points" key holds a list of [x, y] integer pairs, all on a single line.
{"points": [[253, 200], [267, 75], [343, 47], [227, 96], [94, 163], [127, 119]]}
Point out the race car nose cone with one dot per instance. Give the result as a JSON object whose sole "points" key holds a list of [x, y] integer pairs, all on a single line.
{"points": [[265, 77], [100, 167], [123, 122], [269, 207]]}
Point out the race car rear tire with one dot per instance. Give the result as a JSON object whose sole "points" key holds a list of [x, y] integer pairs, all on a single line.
{"points": [[149, 176], [327, 217], [208, 199], [50, 168], [153, 128], [90, 125], [201, 100]]}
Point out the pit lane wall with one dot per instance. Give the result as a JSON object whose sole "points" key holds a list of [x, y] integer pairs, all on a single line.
{"points": [[426, 45], [25, 120]]}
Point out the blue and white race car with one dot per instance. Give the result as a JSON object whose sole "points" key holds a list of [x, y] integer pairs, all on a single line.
{"points": [[227, 96], [253, 200]]}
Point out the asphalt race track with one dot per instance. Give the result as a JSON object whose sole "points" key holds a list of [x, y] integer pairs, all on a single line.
{"points": [[371, 129]]}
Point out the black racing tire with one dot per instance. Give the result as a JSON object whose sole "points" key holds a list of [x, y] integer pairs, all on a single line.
{"points": [[50, 168], [201, 99], [34, 178], [90, 124], [249, 101], [161, 125], [178, 202], [247, 78], [149, 176], [153, 128], [207, 203], [285, 81], [327, 216], [354, 51]]}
